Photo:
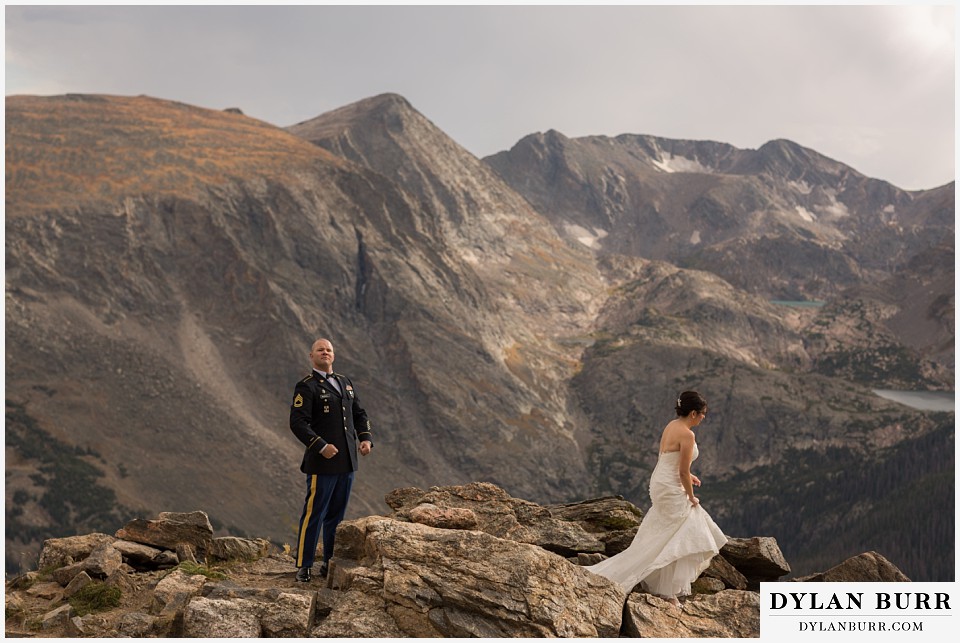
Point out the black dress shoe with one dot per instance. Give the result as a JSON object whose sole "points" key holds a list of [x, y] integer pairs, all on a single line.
{"points": [[323, 571], [303, 574]]}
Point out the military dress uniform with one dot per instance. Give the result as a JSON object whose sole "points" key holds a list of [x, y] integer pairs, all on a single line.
{"points": [[326, 411]]}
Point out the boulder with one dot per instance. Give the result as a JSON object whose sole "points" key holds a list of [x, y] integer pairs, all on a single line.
{"points": [[75, 627], [449, 518], [57, 552], [600, 515], [57, 618], [169, 530], [585, 560], [722, 570], [347, 575], [707, 585], [46, 590], [357, 614], [327, 600], [166, 559], [138, 556], [611, 518], [759, 559], [136, 625], [728, 614], [615, 542], [403, 496], [352, 537], [499, 514], [289, 615], [102, 561], [64, 575], [442, 582], [220, 618], [176, 589], [124, 582], [866, 567], [186, 553], [277, 612], [283, 612], [79, 581], [233, 548]]}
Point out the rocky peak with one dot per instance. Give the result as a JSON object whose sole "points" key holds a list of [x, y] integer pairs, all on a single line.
{"points": [[386, 134], [785, 160], [388, 111]]}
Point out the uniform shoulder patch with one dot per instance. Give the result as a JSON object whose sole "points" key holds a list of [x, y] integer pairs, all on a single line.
{"points": [[298, 401], [307, 378]]}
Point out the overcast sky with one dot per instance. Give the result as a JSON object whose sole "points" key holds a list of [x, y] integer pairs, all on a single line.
{"points": [[870, 86]]}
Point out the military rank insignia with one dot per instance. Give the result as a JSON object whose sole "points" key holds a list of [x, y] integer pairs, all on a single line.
{"points": [[298, 401]]}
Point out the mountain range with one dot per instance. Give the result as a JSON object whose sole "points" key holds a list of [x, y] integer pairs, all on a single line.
{"points": [[526, 319]]}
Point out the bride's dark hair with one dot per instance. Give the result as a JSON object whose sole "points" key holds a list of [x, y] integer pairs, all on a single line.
{"points": [[688, 402]]}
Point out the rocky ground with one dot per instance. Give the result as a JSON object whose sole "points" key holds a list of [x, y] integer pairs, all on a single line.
{"points": [[449, 561]]}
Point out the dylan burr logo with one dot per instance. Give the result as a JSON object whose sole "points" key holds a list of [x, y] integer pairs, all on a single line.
{"points": [[850, 609]]}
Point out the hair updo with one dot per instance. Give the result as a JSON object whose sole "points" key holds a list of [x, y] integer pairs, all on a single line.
{"points": [[690, 401]]}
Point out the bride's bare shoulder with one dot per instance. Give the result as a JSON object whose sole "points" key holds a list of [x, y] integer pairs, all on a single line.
{"points": [[677, 431], [670, 437]]}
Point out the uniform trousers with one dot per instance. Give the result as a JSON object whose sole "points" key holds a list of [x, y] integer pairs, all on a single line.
{"points": [[325, 505]]}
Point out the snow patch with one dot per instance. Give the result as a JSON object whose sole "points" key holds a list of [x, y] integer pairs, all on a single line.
{"points": [[671, 163], [584, 236], [695, 238], [834, 209], [890, 209], [800, 186], [805, 214]]}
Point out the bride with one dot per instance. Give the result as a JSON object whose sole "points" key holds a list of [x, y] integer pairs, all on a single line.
{"points": [[677, 538]]}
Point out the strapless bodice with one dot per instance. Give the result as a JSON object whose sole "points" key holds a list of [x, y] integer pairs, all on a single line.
{"points": [[676, 454]]}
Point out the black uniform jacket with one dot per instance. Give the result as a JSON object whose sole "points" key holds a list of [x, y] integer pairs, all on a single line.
{"points": [[320, 415]]}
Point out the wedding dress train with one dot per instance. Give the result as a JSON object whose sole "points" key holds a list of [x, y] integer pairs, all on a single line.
{"points": [[674, 543]]}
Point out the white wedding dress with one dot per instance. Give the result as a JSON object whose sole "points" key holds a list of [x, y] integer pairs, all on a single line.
{"points": [[674, 543]]}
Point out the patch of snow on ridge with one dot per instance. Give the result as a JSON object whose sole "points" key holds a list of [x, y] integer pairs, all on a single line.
{"points": [[584, 236], [805, 214], [671, 163], [695, 238], [834, 209], [800, 186], [889, 213]]}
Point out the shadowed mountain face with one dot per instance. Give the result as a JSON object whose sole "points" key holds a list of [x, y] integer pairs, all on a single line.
{"points": [[526, 321]]}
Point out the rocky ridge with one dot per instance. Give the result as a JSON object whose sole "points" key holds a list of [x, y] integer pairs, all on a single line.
{"points": [[447, 562], [783, 221]]}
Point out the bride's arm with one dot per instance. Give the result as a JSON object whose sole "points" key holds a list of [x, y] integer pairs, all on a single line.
{"points": [[686, 458]]}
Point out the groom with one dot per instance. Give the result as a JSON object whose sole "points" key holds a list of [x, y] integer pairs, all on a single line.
{"points": [[326, 416]]}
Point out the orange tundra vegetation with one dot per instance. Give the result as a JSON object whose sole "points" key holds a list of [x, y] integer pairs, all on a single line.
{"points": [[76, 149]]}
